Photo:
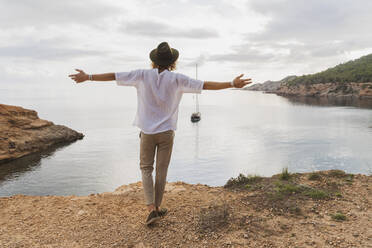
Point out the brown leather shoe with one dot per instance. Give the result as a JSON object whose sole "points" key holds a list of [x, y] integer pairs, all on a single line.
{"points": [[162, 212], [153, 216]]}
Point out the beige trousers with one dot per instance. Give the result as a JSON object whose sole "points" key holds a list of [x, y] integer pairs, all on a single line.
{"points": [[162, 144]]}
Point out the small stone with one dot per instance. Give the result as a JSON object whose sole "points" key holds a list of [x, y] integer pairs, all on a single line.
{"points": [[81, 212]]}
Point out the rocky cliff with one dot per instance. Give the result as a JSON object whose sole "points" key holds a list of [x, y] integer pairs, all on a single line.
{"points": [[350, 79], [22, 132], [266, 86], [357, 90], [270, 86]]}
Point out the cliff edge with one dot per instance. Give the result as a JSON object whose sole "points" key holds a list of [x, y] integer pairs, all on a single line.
{"points": [[22, 132], [320, 209]]}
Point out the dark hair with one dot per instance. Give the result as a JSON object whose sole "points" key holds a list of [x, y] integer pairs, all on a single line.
{"points": [[170, 67]]}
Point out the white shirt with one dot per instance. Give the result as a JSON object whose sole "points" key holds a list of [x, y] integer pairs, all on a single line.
{"points": [[158, 97]]}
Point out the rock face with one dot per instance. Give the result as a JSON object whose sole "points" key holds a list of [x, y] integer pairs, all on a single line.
{"points": [[284, 87], [270, 86], [23, 133], [266, 86], [358, 90]]}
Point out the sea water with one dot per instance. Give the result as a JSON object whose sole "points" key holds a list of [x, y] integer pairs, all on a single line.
{"points": [[239, 132]]}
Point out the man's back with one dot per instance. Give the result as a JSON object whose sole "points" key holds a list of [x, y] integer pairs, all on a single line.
{"points": [[158, 96]]}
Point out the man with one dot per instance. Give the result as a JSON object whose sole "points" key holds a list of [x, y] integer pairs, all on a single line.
{"points": [[159, 92]]}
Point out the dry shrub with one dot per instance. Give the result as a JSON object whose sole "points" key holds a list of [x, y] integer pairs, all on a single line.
{"points": [[243, 180], [337, 173], [213, 217]]}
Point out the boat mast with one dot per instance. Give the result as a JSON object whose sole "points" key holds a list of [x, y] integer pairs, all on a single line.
{"points": [[196, 95]]}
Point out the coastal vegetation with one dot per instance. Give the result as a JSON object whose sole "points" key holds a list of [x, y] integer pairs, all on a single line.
{"points": [[242, 180], [285, 175], [351, 79], [338, 217], [357, 71]]}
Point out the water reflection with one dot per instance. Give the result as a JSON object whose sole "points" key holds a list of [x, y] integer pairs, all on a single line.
{"points": [[196, 127], [332, 101], [15, 168]]}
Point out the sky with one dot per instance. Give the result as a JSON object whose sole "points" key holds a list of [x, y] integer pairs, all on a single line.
{"points": [[44, 40]]}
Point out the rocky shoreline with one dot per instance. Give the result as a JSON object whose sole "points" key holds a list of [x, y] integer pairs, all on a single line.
{"points": [[270, 86], [284, 87], [355, 90], [22, 133], [319, 209]]}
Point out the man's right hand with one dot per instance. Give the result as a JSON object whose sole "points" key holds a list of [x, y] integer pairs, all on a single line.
{"points": [[240, 82], [79, 77]]}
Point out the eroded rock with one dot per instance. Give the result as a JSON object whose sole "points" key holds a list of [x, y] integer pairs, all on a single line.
{"points": [[358, 90], [22, 132]]}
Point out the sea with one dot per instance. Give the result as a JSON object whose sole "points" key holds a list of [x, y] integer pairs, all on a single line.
{"points": [[240, 132]]}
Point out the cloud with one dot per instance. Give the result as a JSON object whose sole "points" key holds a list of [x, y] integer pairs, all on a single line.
{"points": [[318, 19], [272, 38], [243, 53], [45, 50], [191, 62], [303, 32], [40, 13], [159, 29], [326, 27]]}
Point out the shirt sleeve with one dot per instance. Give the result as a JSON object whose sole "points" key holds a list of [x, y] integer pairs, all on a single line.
{"points": [[131, 78], [190, 85]]}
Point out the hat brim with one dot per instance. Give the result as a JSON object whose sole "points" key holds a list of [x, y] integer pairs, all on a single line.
{"points": [[154, 58]]}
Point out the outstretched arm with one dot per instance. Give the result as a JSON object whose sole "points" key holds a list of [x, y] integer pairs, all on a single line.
{"points": [[82, 76], [238, 82]]}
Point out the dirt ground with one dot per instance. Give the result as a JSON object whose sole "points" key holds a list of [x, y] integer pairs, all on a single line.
{"points": [[328, 210]]}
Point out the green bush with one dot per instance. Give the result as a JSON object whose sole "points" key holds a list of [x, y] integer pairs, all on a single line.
{"points": [[314, 176], [337, 173], [287, 188], [285, 175], [338, 216], [316, 194], [242, 180]]}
